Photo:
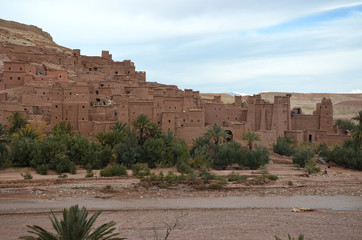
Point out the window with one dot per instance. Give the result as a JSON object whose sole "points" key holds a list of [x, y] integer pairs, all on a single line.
{"points": [[97, 92], [90, 69], [56, 106], [169, 121], [43, 93], [95, 68], [82, 106], [21, 69], [70, 93], [310, 138], [11, 78], [9, 68], [115, 73]]}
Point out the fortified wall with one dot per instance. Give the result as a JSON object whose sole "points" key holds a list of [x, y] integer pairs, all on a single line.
{"points": [[53, 84]]}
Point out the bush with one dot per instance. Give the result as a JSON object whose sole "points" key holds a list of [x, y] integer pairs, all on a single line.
{"points": [[4, 157], [270, 176], [139, 170], [302, 156], [323, 150], [284, 146], [62, 164], [89, 173], [26, 176], [254, 159], [129, 151], [202, 158], [182, 167], [97, 156], [311, 167], [42, 169], [22, 150], [349, 155], [233, 177], [153, 152], [113, 170]]}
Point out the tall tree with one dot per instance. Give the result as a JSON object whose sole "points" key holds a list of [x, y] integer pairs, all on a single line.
{"points": [[216, 133], [74, 226], [142, 124], [250, 138], [358, 117], [17, 121]]}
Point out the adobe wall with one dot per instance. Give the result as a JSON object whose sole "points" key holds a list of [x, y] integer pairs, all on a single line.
{"points": [[298, 135], [300, 122], [190, 133]]}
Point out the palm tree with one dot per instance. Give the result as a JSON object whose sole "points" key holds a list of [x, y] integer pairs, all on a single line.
{"points": [[119, 126], [358, 117], [357, 133], [74, 226], [28, 132], [250, 138], [17, 121], [142, 125], [216, 133]]}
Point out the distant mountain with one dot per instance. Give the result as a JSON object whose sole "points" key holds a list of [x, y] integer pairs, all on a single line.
{"points": [[238, 94]]}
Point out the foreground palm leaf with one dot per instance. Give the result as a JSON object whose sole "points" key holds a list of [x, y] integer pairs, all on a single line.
{"points": [[74, 226]]}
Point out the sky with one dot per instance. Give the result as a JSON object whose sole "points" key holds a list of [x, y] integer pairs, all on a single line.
{"points": [[215, 46]]}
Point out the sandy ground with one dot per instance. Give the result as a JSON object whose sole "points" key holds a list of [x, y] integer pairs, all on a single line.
{"points": [[237, 211]]}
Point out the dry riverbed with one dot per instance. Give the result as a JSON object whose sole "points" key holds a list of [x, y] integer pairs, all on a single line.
{"points": [[238, 210]]}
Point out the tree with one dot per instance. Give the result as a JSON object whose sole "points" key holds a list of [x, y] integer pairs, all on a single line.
{"points": [[216, 133], [17, 121], [119, 126], [3, 135], [250, 138], [28, 132], [358, 117], [74, 226], [63, 128], [142, 124]]}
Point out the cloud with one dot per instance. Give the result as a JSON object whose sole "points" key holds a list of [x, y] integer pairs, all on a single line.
{"points": [[231, 45]]}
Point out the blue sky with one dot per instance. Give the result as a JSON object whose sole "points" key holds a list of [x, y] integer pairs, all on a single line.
{"points": [[214, 45]]}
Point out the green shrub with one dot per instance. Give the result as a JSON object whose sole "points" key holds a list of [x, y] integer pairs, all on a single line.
{"points": [[284, 146], [4, 157], [42, 169], [270, 176], [26, 176], [113, 170], [153, 152], [183, 167], [62, 175], [311, 167], [89, 174], [22, 150], [348, 156], [62, 164], [323, 150], [302, 156], [232, 177], [139, 170], [254, 159]]}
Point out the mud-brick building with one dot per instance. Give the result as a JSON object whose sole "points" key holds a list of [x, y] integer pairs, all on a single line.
{"points": [[93, 92]]}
